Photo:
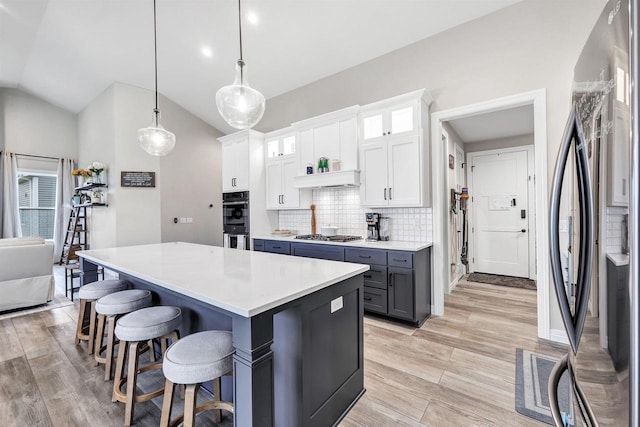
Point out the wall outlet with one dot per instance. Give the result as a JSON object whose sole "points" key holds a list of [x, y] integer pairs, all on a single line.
{"points": [[183, 220], [189, 220]]}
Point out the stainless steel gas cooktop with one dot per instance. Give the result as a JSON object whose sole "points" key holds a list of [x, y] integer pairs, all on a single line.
{"points": [[338, 238]]}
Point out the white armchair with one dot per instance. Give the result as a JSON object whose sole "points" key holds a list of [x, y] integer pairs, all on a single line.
{"points": [[26, 272]]}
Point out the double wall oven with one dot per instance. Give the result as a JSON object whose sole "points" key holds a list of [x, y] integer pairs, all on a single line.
{"points": [[235, 220]]}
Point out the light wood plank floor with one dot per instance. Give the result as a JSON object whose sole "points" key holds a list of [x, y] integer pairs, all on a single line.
{"points": [[458, 369]]}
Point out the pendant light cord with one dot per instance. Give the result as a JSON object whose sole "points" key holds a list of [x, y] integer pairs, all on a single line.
{"points": [[155, 55], [239, 28]]}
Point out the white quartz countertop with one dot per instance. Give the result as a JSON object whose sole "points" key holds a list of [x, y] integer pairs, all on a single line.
{"points": [[388, 245], [619, 259], [242, 282]]}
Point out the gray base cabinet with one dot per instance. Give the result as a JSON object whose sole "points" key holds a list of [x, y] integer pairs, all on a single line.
{"points": [[398, 284], [618, 315]]}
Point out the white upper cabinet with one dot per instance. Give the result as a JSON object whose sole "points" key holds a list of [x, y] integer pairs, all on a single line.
{"points": [[235, 163], [281, 162], [333, 135], [394, 153]]}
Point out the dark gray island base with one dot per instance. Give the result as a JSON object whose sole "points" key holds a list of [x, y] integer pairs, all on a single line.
{"points": [[297, 364]]}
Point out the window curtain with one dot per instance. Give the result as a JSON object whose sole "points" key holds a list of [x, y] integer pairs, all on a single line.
{"points": [[64, 191], [9, 212]]}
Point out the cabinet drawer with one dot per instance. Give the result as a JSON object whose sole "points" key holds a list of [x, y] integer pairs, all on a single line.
{"points": [[366, 256], [400, 259], [312, 250], [376, 277], [375, 300], [258, 245], [277, 247]]}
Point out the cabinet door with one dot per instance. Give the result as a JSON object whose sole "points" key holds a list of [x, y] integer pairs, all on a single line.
{"points": [[373, 125], [228, 166], [274, 184], [241, 148], [290, 194], [305, 148], [373, 161], [400, 293], [403, 118], [619, 159], [405, 188], [349, 144]]}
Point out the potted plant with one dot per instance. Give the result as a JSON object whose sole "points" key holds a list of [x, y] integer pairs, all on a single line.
{"points": [[97, 196], [82, 174], [75, 199], [96, 168]]}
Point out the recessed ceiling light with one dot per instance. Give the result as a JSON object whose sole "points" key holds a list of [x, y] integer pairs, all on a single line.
{"points": [[206, 51], [252, 18]]}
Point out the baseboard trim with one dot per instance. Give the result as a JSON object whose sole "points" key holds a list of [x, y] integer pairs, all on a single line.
{"points": [[559, 336]]}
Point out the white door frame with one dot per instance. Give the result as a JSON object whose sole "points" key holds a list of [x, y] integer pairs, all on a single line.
{"points": [[440, 195], [531, 205]]}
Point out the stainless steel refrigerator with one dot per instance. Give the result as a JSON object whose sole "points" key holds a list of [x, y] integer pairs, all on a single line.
{"points": [[594, 219]]}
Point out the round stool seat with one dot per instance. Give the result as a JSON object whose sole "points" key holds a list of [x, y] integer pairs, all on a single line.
{"points": [[148, 323], [97, 290], [199, 357], [123, 302]]}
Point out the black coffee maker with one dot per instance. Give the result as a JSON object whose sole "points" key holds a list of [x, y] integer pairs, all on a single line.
{"points": [[373, 226]]}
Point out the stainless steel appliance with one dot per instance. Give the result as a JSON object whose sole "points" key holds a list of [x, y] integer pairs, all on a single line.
{"points": [[336, 238], [385, 225], [235, 220], [599, 157], [373, 225]]}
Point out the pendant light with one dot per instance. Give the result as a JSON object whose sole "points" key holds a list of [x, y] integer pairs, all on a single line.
{"points": [[240, 105], [155, 139]]}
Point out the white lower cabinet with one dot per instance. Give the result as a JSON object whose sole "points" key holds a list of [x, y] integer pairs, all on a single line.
{"points": [[391, 171]]}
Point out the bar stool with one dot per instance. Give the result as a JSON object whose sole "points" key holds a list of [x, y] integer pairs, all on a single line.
{"points": [[161, 322], [199, 357], [89, 294], [109, 309]]}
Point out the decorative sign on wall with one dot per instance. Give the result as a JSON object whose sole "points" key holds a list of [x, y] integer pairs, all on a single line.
{"points": [[452, 161], [137, 179]]}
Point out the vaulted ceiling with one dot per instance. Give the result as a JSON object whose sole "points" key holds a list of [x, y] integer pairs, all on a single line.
{"points": [[68, 51]]}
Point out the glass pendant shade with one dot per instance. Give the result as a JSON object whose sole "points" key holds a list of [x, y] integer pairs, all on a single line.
{"points": [[155, 139], [240, 105]]}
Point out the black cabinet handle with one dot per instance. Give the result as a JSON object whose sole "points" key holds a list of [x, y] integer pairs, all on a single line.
{"points": [[367, 276], [524, 230], [390, 280], [283, 199], [390, 193], [385, 194], [367, 298], [365, 256], [277, 247], [399, 260]]}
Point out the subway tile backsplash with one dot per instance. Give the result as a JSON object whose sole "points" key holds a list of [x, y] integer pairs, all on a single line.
{"points": [[615, 215], [340, 207]]}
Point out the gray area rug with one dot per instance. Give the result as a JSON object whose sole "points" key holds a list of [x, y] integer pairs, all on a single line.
{"points": [[532, 377], [57, 302], [495, 279]]}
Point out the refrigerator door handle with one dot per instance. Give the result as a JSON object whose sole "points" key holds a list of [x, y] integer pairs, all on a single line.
{"points": [[573, 323], [554, 380]]}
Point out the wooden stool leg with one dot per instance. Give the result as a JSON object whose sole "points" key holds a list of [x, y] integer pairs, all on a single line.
{"points": [[98, 339], [167, 403], [110, 344], [92, 325], [152, 350], [132, 379], [122, 349], [217, 398], [83, 307], [190, 405]]}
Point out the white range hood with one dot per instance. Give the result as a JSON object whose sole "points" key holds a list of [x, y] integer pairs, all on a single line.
{"points": [[348, 178]]}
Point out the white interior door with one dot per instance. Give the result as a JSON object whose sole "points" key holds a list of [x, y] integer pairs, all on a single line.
{"points": [[499, 202]]}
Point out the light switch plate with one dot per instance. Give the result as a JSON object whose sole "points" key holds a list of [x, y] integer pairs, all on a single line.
{"points": [[337, 304]]}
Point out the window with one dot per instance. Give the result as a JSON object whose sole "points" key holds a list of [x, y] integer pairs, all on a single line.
{"points": [[37, 203]]}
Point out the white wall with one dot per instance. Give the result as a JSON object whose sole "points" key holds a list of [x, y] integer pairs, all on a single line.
{"points": [[187, 179], [494, 144], [29, 125], [531, 45]]}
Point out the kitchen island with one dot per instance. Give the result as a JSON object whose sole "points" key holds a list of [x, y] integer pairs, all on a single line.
{"points": [[297, 324]]}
